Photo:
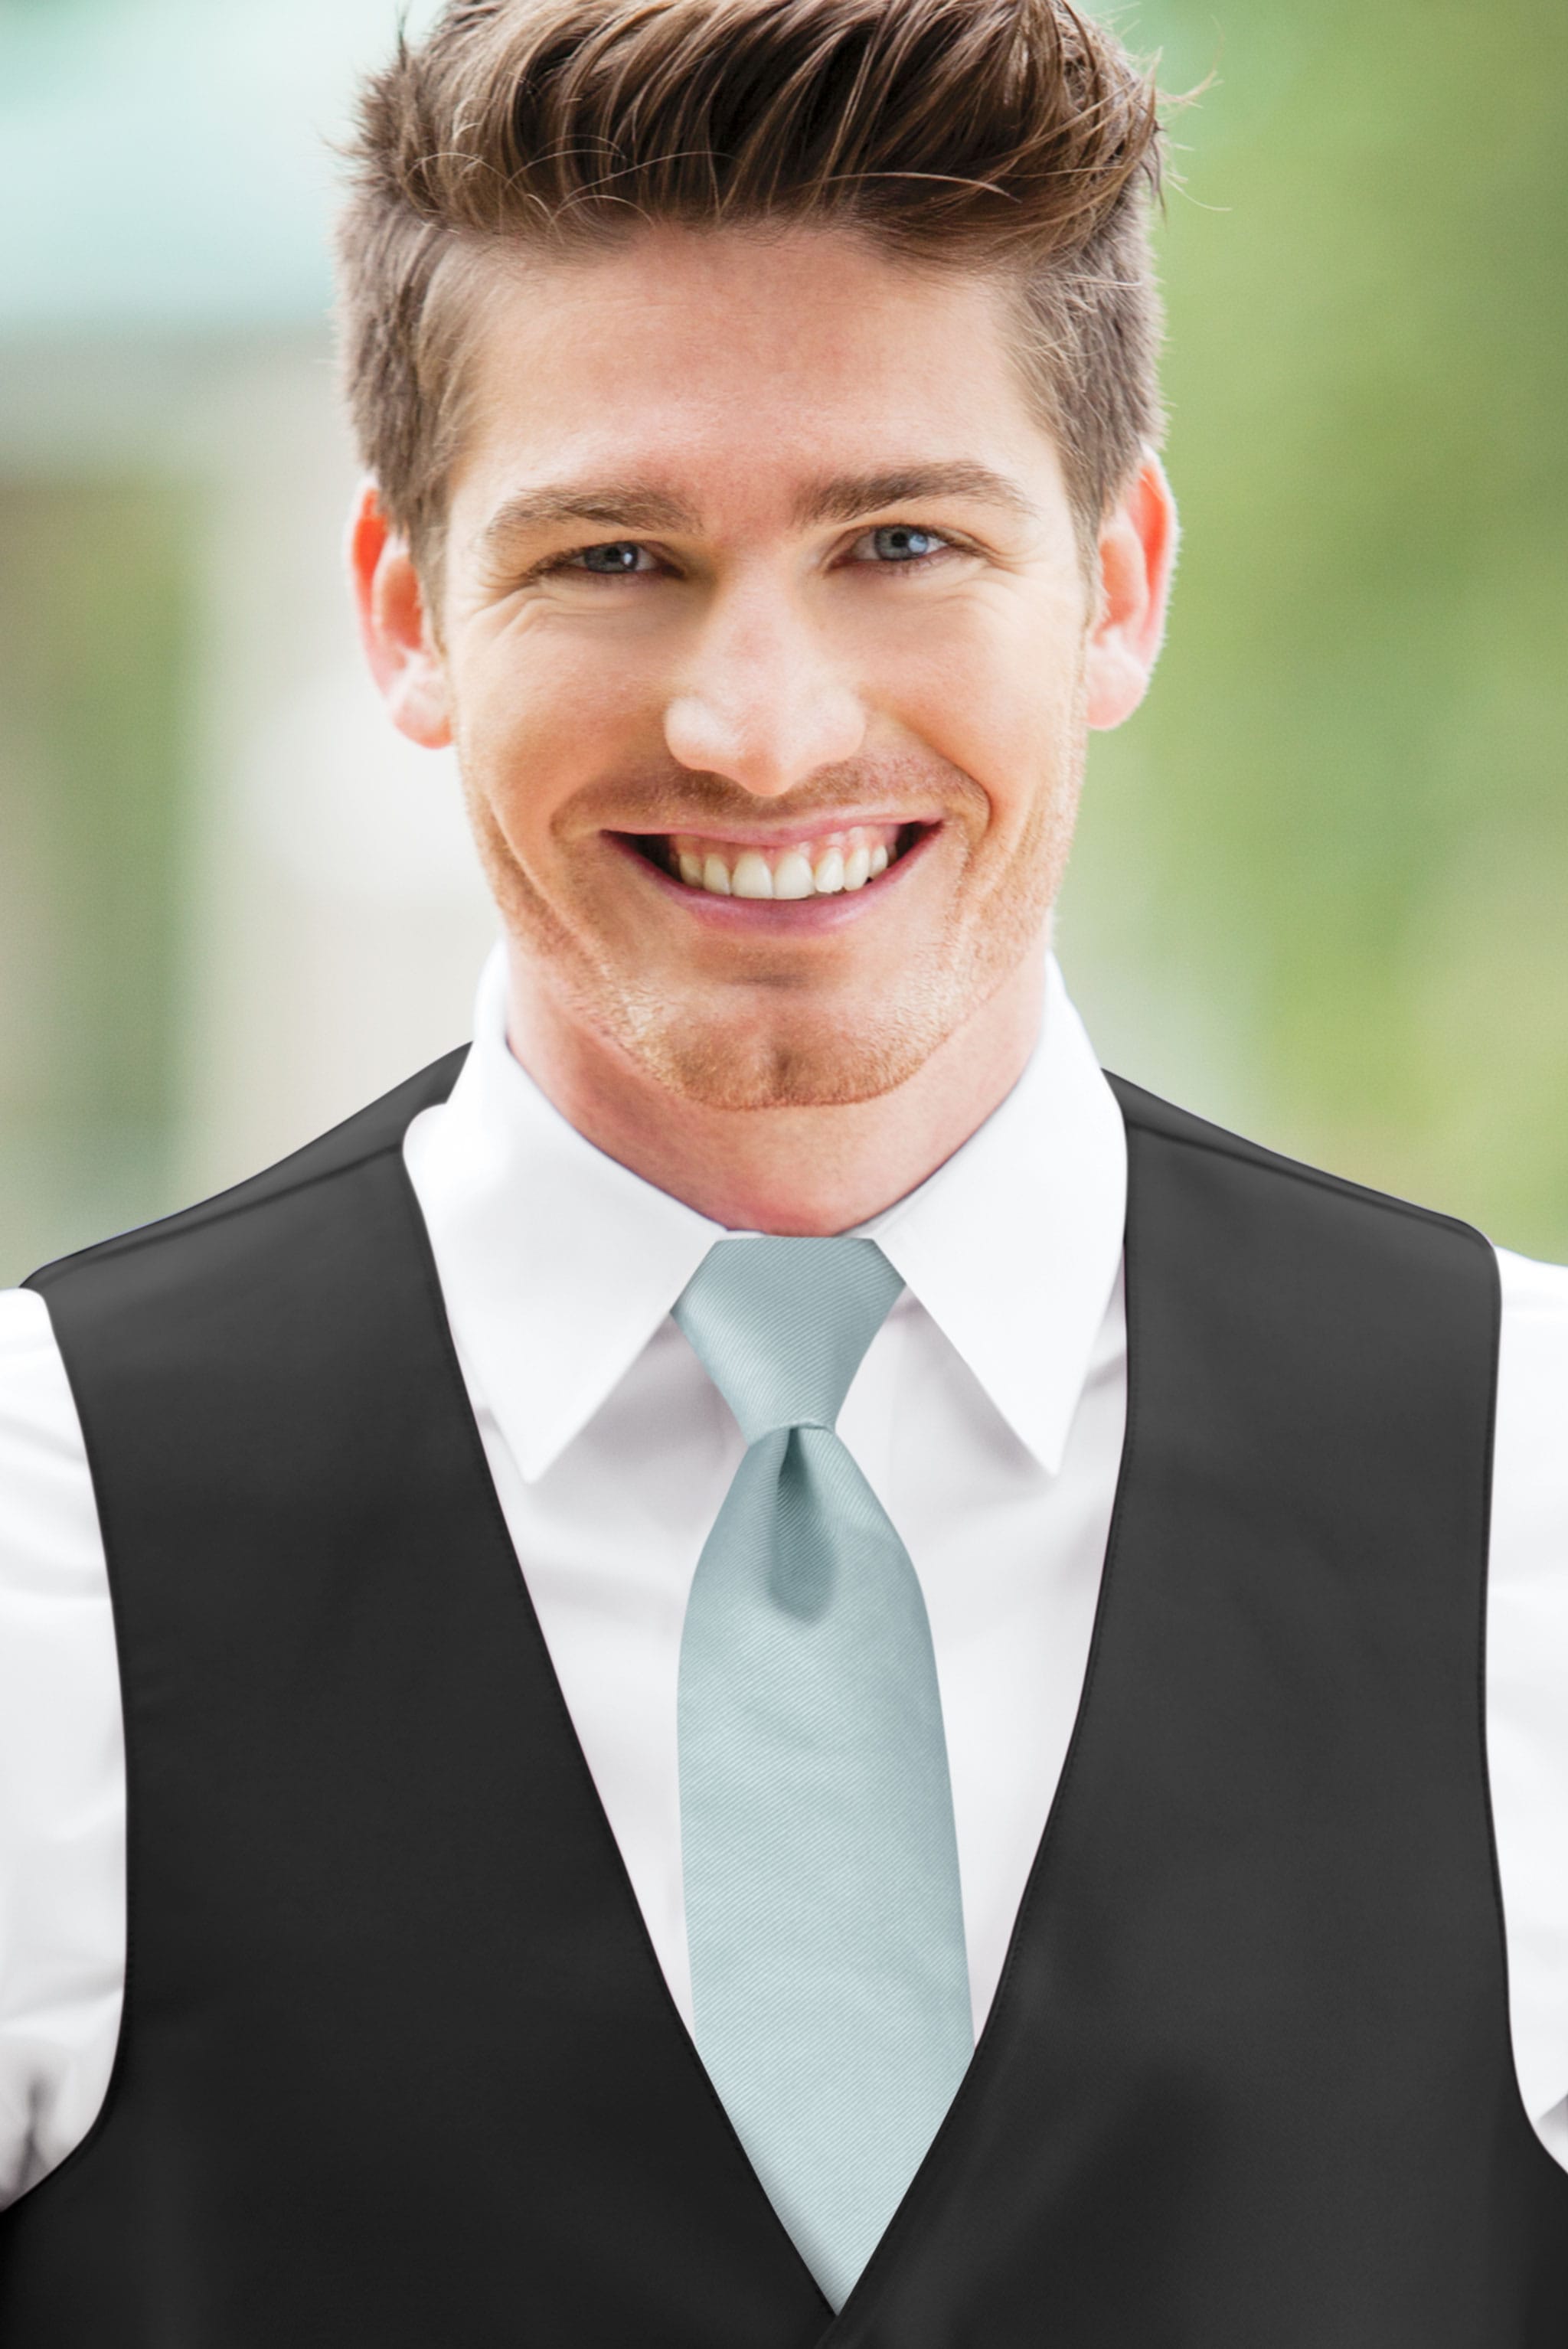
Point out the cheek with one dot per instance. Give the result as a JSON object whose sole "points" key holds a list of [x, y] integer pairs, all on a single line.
{"points": [[539, 715], [1004, 706]]}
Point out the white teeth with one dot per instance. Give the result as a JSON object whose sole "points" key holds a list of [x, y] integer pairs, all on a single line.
{"points": [[846, 860], [793, 876]]}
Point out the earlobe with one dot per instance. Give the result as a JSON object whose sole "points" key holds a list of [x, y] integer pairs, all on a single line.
{"points": [[394, 627], [1137, 557]]}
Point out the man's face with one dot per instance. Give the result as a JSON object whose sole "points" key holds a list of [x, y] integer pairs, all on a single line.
{"points": [[762, 637]]}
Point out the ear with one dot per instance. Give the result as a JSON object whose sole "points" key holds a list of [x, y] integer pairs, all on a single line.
{"points": [[394, 627], [1137, 557]]}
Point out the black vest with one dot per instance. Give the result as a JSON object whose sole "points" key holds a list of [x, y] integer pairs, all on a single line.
{"points": [[398, 2069]]}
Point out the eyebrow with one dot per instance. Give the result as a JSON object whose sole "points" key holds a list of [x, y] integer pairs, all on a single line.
{"points": [[630, 507], [617, 505], [854, 494]]}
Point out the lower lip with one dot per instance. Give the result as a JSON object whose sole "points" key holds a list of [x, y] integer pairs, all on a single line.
{"points": [[772, 917]]}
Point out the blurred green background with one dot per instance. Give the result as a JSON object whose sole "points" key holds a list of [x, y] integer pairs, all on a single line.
{"points": [[1322, 886], [1322, 877]]}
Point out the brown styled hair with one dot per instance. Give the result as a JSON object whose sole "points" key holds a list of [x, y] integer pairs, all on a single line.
{"points": [[1012, 135]]}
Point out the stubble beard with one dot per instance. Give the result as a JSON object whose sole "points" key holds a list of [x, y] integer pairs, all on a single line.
{"points": [[759, 1057]]}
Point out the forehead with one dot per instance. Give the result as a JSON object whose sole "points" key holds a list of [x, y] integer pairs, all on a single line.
{"points": [[740, 358]]}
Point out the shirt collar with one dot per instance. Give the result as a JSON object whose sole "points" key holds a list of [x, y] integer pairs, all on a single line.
{"points": [[1013, 1245], [558, 1264]]}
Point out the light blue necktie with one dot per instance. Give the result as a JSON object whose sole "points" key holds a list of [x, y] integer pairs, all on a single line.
{"points": [[828, 1974]]}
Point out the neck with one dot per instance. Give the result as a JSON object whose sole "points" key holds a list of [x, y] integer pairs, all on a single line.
{"points": [[799, 1172]]}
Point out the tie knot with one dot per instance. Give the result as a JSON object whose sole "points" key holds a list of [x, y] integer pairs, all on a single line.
{"points": [[780, 1326]]}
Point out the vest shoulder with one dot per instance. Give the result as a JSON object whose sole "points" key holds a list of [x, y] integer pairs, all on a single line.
{"points": [[1145, 1112], [370, 1132]]}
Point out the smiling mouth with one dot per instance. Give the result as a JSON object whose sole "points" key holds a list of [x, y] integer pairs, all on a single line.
{"points": [[823, 863]]}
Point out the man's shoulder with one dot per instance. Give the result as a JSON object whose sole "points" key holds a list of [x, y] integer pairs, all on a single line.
{"points": [[1146, 1114], [271, 1274], [1534, 1292], [370, 1132]]}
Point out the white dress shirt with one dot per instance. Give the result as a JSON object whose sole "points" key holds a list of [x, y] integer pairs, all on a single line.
{"points": [[987, 1414]]}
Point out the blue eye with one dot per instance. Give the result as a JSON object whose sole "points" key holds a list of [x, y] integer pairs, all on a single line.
{"points": [[902, 542], [617, 560]]}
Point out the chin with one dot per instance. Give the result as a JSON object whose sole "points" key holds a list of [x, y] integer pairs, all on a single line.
{"points": [[818, 1062]]}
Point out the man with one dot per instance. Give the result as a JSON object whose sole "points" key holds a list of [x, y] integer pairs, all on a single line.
{"points": [[770, 1521]]}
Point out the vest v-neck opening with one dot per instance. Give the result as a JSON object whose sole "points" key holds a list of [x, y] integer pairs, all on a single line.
{"points": [[976, 2078]]}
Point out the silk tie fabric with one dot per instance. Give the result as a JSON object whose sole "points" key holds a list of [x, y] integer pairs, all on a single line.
{"points": [[830, 1981]]}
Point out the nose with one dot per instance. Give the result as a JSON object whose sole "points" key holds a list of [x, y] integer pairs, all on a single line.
{"points": [[762, 701]]}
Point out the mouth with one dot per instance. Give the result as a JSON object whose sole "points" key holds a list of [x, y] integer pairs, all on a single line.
{"points": [[788, 868]]}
